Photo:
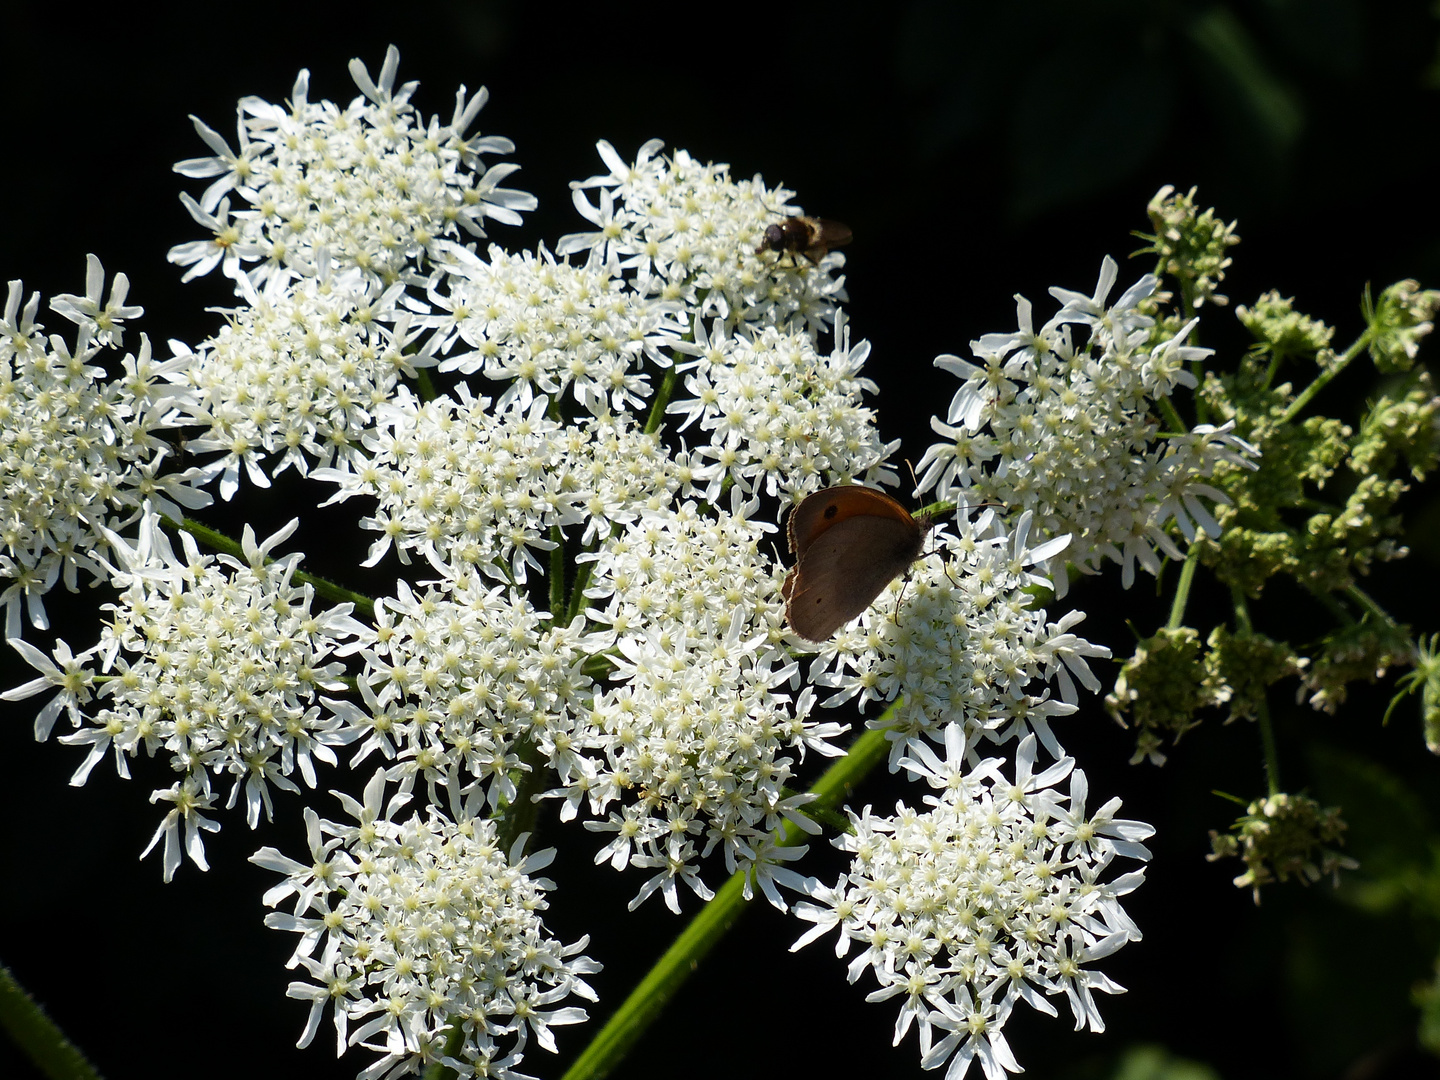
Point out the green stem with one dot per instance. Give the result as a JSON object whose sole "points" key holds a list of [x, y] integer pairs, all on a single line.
{"points": [[454, 1043], [1171, 414], [1323, 379], [37, 1036], [519, 817], [1267, 742], [662, 399], [557, 573], [1332, 604], [1274, 369], [648, 999], [583, 572], [424, 385], [1366, 601], [1182, 589], [222, 543], [1262, 711]]}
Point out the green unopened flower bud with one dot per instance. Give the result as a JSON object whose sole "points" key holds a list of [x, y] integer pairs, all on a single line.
{"points": [[1408, 428], [1281, 837], [1365, 650], [1240, 665], [1160, 689], [1404, 315], [1282, 331], [1190, 245]]}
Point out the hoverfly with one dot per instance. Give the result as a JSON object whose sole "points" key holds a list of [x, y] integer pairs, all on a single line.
{"points": [[808, 236]]}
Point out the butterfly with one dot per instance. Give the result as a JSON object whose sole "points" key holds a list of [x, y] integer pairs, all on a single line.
{"points": [[849, 543]]}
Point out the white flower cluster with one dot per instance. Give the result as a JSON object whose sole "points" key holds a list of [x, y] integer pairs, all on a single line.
{"points": [[301, 376], [588, 634], [468, 487], [425, 930], [691, 739], [369, 187], [690, 233], [219, 668], [551, 327], [1068, 431], [780, 416], [455, 677], [999, 893], [966, 648], [78, 454]]}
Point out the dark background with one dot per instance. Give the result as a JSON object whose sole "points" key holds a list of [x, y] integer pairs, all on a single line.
{"points": [[976, 152]]}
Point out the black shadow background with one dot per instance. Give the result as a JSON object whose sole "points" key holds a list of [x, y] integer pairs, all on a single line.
{"points": [[977, 150]]}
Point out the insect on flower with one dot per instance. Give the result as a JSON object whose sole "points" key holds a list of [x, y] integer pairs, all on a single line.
{"points": [[808, 236], [849, 542]]}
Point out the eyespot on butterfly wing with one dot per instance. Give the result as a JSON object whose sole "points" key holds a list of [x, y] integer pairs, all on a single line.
{"points": [[849, 542]]}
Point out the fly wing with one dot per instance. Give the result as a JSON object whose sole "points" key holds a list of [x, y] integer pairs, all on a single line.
{"points": [[833, 234], [844, 570]]}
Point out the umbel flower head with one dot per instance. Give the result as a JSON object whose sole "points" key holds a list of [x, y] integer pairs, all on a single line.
{"points": [[595, 616], [456, 677], [371, 187], [1065, 429], [78, 454], [1284, 836], [959, 643], [217, 664], [552, 328], [1001, 893], [779, 415], [689, 232], [301, 376], [414, 931]]}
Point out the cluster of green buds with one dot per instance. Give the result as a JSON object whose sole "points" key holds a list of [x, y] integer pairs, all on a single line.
{"points": [[1322, 512], [1283, 837]]}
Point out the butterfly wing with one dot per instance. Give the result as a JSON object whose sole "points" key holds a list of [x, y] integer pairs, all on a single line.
{"points": [[824, 509], [844, 569]]}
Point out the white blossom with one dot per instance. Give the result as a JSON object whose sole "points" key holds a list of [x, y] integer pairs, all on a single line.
{"points": [[689, 232], [301, 376], [964, 645], [370, 187], [552, 328], [465, 486], [696, 739], [408, 928], [79, 453], [1072, 433], [214, 662], [781, 417], [982, 902]]}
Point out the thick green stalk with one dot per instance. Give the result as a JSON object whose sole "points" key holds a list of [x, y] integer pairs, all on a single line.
{"points": [[520, 816], [557, 574], [705, 931], [1368, 602], [1172, 415]]}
